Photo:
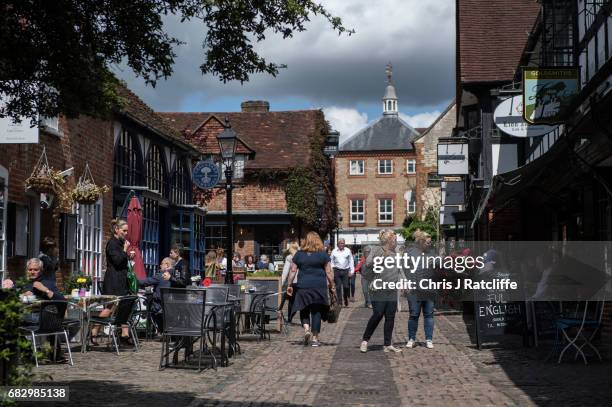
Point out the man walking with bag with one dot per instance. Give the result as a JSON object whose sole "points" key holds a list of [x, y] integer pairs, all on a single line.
{"points": [[344, 267]]}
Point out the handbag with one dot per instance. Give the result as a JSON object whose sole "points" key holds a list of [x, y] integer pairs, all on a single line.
{"points": [[334, 307], [132, 280]]}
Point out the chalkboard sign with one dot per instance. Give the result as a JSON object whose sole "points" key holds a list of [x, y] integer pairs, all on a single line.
{"points": [[544, 315], [494, 316]]}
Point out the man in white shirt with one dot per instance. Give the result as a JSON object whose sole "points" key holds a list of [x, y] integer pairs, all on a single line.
{"points": [[344, 267]]}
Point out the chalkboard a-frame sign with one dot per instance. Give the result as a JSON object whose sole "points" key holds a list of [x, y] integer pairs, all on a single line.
{"points": [[494, 316]]}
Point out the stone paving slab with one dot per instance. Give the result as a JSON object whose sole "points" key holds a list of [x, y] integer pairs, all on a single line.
{"points": [[283, 372]]}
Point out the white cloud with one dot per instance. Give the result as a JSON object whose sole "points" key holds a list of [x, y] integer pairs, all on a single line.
{"points": [[424, 119], [345, 120]]}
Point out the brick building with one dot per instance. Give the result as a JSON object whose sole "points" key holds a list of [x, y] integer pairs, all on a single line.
{"points": [[131, 151], [271, 144], [376, 175]]}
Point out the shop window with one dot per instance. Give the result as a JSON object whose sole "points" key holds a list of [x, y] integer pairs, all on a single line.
{"points": [[385, 210], [385, 167], [89, 241], [150, 235], [128, 161], [216, 237], [357, 211], [181, 184], [156, 171], [199, 245], [357, 167]]}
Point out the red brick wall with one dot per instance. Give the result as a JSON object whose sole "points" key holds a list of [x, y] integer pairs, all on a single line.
{"points": [[252, 197], [84, 140]]}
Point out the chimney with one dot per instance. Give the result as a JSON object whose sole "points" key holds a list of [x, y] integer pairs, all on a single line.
{"points": [[255, 106]]}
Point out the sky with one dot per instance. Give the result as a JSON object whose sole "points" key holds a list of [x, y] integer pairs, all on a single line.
{"points": [[343, 75]]}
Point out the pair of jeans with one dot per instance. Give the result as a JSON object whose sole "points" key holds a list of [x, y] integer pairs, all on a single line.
{"points": [[311, 315], [365, 284], [415, 306], [386, 309], [341, 280], [352, 280]]}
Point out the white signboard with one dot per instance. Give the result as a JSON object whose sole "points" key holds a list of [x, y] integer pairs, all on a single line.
{"points": [[453, 159], [17, 133], [508, 117]]}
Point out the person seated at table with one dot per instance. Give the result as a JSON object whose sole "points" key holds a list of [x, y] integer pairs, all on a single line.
{"points": [[264, 263], [249, 263], [39, 287], [159, 280], [237, 261], [221, 261], [180, 275], [211, 267]]}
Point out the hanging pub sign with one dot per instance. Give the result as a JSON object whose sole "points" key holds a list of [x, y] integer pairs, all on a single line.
{"points": [[452, 156], [548, 92], [508, 117], [206, 174]]}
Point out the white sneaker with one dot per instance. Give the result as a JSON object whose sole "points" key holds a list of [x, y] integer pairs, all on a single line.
{"points": [[307, 336], [429, 344], [364, 347], [410, 343], [391, 348]]}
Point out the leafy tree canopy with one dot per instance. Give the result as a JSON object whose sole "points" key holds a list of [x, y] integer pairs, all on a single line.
{"points": [[55, 55]]}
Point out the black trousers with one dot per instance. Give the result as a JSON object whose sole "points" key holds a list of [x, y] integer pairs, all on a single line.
{"points": [[382, 309], [341, 280]]}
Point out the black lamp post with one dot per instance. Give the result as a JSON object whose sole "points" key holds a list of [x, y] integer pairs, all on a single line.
{"points": [[338, 227], [354, 236], [227, 146]]}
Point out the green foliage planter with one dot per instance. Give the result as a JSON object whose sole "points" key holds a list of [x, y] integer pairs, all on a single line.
{"points": [[15, 350]]}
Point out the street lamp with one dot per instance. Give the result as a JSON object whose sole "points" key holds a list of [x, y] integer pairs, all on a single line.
{"points": [[338, 226], [354, 236], [227, 146]]}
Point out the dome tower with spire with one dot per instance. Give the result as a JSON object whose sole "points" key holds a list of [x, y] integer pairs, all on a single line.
{"points": [[390, 98]]}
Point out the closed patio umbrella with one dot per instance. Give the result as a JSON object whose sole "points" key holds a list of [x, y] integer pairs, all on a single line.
{"points": [[134, 220]]}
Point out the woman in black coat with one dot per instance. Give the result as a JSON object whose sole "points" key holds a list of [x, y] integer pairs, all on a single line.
{"points": [[115, 278]]}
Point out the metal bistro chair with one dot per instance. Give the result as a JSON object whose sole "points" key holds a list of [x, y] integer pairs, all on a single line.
{"points": [[580, 327], [122, 315], [50, 323], [184, 316], [219, 311], [232, 327]]}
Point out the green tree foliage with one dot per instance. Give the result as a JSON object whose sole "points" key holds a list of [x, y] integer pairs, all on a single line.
{"points": [[55, 56], [429, 225]]}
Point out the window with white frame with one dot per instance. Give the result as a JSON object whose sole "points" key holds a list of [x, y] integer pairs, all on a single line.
{"points": [[357, 167], [411, 166], [89, 241], [412, 206], [357, 211], [385, 210], [385, 166]]}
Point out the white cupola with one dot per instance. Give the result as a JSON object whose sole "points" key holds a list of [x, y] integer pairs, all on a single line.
{"points": [[390, 98]]}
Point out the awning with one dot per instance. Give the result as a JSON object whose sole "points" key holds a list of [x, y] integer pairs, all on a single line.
{"points": [[511, 184]]}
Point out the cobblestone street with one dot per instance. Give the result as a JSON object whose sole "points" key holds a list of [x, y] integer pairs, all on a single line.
{"points": [[283, 372]]}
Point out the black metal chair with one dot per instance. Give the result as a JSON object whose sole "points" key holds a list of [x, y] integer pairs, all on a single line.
{"points": [[219, 320], [184, 316], [50, 323], [123, 310]]}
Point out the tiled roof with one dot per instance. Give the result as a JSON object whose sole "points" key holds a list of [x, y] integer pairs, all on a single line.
{"points": [[491, 36], [280, 139], [139, 111], [387, 133], [420, 130]]}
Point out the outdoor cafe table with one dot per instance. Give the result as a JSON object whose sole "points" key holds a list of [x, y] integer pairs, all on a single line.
{"points": [[247, 308], [83, 304]]}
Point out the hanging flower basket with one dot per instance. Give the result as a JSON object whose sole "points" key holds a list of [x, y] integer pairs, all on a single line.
{"points": [[86, 192], [41, 180]]}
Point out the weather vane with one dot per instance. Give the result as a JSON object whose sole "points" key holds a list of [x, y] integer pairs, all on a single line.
{"points": [[389, 72]]}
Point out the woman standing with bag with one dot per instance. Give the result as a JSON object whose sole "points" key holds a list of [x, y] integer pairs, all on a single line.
{"points": [[311, 291], [116, 276], [384, 301]]}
